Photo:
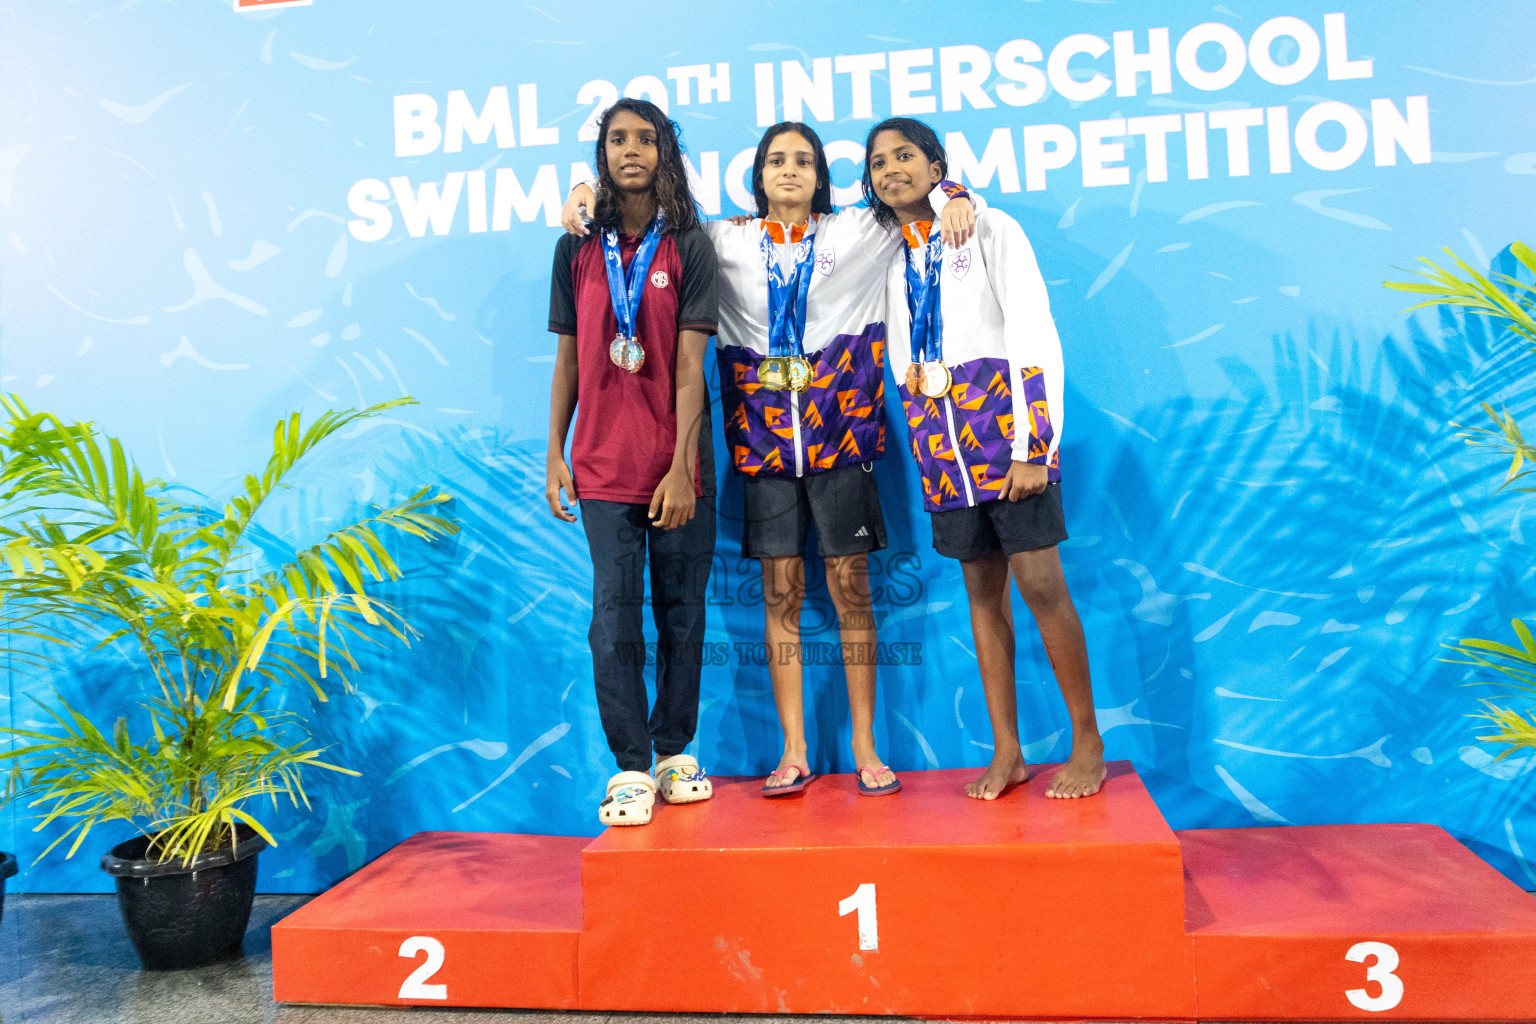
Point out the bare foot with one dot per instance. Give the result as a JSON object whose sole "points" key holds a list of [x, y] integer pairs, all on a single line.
{"points": [[1006, 771], [1084, 772], [789, 770]]}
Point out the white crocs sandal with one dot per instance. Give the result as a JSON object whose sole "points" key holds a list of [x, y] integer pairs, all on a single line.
{"points": [[682, 781], [629, 800]]}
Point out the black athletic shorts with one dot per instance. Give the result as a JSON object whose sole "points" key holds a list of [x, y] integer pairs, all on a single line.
{"points": [[1001, 525], [843, 504]]}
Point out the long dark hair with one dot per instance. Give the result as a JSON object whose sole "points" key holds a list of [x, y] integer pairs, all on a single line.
{"points": [[673, 197], [821, 199], [915, 132]]}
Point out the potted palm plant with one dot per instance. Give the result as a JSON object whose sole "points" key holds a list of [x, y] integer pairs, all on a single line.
{"points": [[91, 549]]}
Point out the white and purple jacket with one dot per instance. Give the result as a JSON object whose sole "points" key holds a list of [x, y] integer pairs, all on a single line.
{"points": [[999, 341]]}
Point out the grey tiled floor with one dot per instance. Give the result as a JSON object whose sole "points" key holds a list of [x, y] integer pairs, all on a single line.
{"points": [[67, 960]]}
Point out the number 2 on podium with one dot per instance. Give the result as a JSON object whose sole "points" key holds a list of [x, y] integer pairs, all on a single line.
{"points": [[415, 986], [863, 901]]}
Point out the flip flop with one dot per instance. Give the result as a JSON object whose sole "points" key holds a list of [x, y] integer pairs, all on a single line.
{"points": [[874, 773], [799, 784]]}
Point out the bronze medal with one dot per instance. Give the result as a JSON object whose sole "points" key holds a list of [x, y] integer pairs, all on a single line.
{"points": [[799, 373], [626, 354], [914, 378], [773, 374], [935, 379]]}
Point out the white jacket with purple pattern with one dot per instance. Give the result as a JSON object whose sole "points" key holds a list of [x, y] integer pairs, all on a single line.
{"points": [[999, 342]]}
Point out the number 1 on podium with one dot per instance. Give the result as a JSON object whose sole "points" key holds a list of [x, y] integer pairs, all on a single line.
{"points": [[863, 900]]}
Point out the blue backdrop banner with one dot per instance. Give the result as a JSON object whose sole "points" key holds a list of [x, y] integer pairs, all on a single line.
{"points": [[212, 217]]}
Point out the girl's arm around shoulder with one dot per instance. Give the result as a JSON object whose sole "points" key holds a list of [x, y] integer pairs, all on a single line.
{"points": [[716, 230], [957, 219]]}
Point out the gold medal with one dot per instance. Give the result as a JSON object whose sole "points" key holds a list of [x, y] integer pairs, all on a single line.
{"points": [[935, 379], [799, 373], [914, 378], [773, 374], [626, 354]]}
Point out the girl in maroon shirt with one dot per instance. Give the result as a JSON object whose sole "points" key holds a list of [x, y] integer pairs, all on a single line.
{"points": [[634, 307]]}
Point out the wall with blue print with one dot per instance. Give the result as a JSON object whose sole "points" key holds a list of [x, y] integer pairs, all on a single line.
{"points": [[210, 218]]}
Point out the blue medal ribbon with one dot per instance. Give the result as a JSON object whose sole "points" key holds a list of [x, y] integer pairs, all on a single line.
{"points": [[923, 301], [786, 319], [624, 288]]}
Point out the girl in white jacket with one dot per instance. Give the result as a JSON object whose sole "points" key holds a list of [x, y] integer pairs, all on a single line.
{"points": [[978, 362], [801, 348]]}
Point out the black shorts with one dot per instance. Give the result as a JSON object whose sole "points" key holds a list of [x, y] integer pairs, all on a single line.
{"points": [[843, 504], [1001, 525]]}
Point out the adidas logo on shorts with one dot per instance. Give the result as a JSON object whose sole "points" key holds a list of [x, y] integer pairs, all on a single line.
{"points": [[863, 532]]}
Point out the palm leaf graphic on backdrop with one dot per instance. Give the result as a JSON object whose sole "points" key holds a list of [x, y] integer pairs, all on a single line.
{"points": [[1336, 508]]}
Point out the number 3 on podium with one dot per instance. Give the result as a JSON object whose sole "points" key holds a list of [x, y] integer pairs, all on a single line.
{"points": [[863, 901], [1380, 972]]}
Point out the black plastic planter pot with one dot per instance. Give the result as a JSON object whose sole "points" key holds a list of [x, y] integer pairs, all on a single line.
{"points": [[7, 869], [181, 915]]}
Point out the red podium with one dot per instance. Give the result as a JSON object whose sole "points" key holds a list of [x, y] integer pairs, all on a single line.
{"points": [[928, 904], [445, 919]]}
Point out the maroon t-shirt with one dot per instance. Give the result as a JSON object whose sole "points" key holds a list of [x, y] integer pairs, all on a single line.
{"points": [[626, 423]]}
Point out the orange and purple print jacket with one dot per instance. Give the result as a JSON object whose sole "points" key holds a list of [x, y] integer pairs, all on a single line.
{"points": [[840, 420], [1004, 357]]}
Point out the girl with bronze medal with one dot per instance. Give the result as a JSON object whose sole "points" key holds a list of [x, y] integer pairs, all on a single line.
{"points": [[989, 470], [926, 374]]}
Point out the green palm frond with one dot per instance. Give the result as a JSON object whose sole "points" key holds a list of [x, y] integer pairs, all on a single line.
{"points": [[1506, 441], [328, 582], [1511, 302], [88, 544], [1515, 673], [1504, 299], [1514, 730], [1474, 292], [97, 484], [186, 785], [291, 441]]}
